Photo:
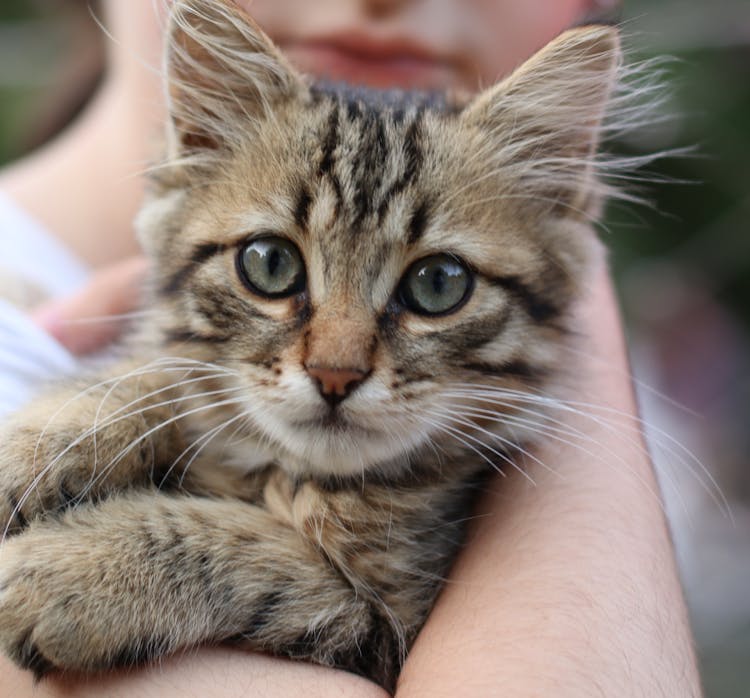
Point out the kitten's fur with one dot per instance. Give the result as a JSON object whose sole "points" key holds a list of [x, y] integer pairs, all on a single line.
{"points": [[299, 528]]}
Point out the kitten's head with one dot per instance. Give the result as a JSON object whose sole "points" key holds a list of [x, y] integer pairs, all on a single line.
{"points": [[368, 263]]}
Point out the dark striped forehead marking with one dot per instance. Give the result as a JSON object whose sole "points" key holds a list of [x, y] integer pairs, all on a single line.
{"points": [[302, 207], [326, 169], [388, 124], [395, 102]]}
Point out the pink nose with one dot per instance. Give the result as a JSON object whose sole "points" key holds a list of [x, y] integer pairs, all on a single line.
{"points": [[335, 384]]}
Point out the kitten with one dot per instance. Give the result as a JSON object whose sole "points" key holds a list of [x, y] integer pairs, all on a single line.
{"points": [[358, 298]]}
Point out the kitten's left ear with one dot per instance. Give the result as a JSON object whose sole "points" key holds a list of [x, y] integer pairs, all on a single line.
{"points": [[223, 73], [544, 122]]}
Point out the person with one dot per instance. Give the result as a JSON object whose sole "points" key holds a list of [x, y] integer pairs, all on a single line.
{"points": [[565, 587]]}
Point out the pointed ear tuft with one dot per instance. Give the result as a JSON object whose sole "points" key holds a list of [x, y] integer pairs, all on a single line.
{"points": [[545, 121], [223, 73]]}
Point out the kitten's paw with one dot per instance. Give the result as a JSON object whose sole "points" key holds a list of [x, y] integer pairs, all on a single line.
{"points": [[38, 477], [45, 472], [21, 609], [51, 617]]}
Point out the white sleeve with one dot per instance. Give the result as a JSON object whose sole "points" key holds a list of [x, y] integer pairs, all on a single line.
{"points": [[29, 358], [30, 252]]}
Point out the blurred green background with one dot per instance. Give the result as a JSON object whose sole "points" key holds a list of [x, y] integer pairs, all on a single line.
{"points": [[682, 266]]}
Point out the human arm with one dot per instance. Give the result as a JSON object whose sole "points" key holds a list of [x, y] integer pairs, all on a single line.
{"points": [[218, 672]]}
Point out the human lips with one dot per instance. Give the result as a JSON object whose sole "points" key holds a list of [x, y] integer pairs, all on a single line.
{"points": [[361, 59]]}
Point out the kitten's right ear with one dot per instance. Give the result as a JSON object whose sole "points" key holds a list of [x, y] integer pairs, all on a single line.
{"points": [[544, 122], [223, 73]]}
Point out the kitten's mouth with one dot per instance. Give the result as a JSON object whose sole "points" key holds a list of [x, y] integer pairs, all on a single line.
{"points": [[337, 441], [334, 422]]}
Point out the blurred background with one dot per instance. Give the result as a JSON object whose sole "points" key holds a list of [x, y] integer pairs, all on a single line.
{"points": [[682, 267]]}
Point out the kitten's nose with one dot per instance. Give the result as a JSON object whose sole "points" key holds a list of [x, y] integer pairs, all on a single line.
{"points": [[335, 384]]}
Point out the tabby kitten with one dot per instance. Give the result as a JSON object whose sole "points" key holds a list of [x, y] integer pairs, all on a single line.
{"points": [[355, 297]]}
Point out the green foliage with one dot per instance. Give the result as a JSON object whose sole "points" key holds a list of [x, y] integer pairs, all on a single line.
{"points": [[700, 216]]}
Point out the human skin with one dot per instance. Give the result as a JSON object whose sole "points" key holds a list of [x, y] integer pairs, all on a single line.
{"points": [[566, 588]]}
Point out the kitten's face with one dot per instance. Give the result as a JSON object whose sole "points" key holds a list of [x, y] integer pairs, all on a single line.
{"points": [[360, 266]]}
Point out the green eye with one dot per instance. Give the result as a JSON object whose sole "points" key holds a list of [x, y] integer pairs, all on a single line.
{"points": [[436, 285], [272, 267]]}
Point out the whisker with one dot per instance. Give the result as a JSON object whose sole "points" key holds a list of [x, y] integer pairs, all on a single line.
{"points": [[151, 367], [112, 464], [627, 424], [88, 433], [465, 438], [507, 442], [206, 439]]}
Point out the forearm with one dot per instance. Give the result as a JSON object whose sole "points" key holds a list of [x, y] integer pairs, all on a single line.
{"points": [[215, 672], [568, 586]]}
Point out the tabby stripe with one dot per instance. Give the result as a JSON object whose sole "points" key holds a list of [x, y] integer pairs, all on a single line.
{"points": [[376, 656], [223, 310], [474, 333], [518, 368], [140, 652], [68, 500], [30, 657], [353, 108], [302, 208], [418, 223], [19, 516], [201, 254], [204, 571], [303, 647], [413, 158], [328, 161], [267, 610], [538, 308], [372, 157]]}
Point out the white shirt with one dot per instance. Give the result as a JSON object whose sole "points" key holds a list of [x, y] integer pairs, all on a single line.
{"points": [[29, 357]]}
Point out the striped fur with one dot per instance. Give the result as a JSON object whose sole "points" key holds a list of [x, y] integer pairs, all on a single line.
{"points": [[203, 491]]}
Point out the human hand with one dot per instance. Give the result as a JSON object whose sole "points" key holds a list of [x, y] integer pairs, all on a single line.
{"points": [[94, 315]]}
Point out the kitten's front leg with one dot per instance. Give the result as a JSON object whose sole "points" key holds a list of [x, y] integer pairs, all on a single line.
{"points": [[145, 574], [85, 442]]}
